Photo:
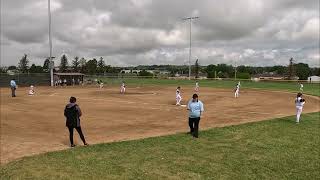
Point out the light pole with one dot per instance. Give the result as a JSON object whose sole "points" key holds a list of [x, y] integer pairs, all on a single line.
{"points": [[190, 20], [235, 70], [50, 45], [235, 73]]}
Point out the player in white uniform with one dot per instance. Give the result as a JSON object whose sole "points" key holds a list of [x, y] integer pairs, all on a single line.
{"points": [[31, 91], [301, 87], [299, 106], [178, 96], [196, 89], [122, 88], [236, 91], [100, 84], [60, 82]]}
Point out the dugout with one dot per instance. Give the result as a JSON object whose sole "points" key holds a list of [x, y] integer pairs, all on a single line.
{"points": [[77, 78]]}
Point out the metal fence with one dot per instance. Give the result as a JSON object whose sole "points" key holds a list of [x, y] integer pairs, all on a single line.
{"points": [[25, 79]]}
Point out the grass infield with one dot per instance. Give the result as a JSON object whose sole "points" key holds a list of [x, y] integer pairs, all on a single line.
{"points": [[275, 149]]}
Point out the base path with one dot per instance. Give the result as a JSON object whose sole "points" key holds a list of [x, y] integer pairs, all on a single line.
{"points": [[35, 124]]}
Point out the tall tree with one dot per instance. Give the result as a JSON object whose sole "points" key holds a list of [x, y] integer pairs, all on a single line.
{"points": [[315, 71], [76, 64], [64, 63], [3, 70], [12, 67], [23, 64], [197, 68], [225, 70], [210, 70], [92, 66], [46, 64], [302, 71], [101, 65], [35, 69], [83, 63]]}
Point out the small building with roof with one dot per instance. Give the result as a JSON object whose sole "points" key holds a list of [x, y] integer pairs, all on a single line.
{"points": [[71, 78]]}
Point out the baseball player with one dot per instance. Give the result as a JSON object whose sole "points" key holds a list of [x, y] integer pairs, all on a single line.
{"points": [[196, 89], [31, 91], [178, 96], [100, 84], [301, 87], [299, 105], [60, 82], [236, 91], [13, 87], [122, 88]]}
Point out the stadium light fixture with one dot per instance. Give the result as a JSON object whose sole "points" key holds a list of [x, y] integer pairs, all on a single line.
{"points": [[190, 21]]}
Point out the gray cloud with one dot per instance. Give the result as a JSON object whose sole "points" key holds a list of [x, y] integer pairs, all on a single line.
{"points": [[250, 32]]}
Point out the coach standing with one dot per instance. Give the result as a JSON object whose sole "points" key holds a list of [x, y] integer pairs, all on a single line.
{"points": [[13, 86], [195, 108], [73, 113]]}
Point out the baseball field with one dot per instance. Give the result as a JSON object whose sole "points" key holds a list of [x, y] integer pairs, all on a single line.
{"points": [[123, 131]]}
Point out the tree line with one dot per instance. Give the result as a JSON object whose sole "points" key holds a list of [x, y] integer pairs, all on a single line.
{"points": [[301, 70], [94, 66], [81, 65]]}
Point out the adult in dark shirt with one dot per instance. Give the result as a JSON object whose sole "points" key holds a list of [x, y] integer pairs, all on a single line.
{"points": [[72, 112]]}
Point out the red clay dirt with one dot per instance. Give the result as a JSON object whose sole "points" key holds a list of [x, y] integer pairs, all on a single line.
{"points": [[35, 124]]}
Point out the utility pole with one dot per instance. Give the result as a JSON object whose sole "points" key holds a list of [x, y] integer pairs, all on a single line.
{"points": [[190, 20], [50, 45]]}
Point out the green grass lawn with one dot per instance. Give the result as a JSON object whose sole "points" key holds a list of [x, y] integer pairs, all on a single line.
{"points": [[275, 149], [312, 89]]}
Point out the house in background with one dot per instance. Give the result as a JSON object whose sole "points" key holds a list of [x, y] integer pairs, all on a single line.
{"points": [[314, 79], [137, 71], [267, 76]]}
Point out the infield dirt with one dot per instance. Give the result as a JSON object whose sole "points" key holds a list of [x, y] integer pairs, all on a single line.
{"points": [[35, 124]]}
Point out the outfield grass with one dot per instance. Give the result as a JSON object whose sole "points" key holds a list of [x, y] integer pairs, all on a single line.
{"points": [[276, 149], [312, 89]]}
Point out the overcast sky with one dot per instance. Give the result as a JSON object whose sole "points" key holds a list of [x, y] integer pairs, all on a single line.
{"points": [[133, 32]]}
